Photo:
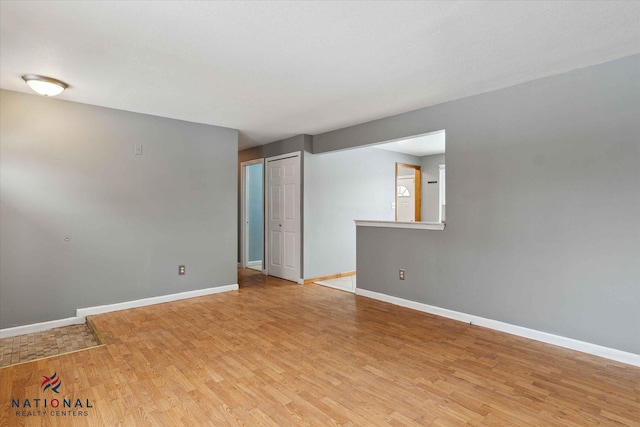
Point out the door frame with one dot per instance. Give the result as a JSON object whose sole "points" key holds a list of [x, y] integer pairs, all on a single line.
{"points": [[244, 234], [442, 188], [267, 230], [417, 179]]}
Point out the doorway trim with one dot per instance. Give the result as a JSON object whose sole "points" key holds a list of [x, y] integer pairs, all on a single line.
{"points": [[417, 200], [441, 190], [265, 217], [244, 235]]}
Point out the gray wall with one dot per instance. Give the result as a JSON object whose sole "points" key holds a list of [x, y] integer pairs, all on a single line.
{"points": [[285, 146], [254, 211], [543, 198], [430, 192], [341, 187], [69, 169]]}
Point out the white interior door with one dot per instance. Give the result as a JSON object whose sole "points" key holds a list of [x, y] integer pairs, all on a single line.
{"points": [[283, 217], [406, 200]]}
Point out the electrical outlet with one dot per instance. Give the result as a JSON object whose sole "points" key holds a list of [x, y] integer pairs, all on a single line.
{"points": [[401, 274], [181, 270], [137, 150]]}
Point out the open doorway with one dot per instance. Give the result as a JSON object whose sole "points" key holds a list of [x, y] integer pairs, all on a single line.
{"points": [[252, 246], [378, 184]]}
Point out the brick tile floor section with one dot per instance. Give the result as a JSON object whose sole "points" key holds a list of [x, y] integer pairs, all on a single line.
{"points": [[24, 348]]}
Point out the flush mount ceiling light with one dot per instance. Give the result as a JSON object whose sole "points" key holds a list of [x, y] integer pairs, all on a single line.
{"points": [[45, 85]]}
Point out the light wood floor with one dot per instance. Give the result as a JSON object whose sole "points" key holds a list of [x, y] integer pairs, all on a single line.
{"points": [[276, 353]]}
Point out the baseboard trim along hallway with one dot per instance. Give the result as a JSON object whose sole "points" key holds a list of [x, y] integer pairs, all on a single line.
{"points": [[329, 277], [81, 313], [570, 343]]}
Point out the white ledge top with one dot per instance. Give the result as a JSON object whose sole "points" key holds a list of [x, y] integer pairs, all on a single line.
{"points": [[401, 224]]}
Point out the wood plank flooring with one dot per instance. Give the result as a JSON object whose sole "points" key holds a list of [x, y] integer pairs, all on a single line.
{"points": [[276, 353]]}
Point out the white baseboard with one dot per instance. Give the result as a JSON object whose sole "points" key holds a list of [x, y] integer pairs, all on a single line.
{"points": [[255, 264], [329, 285], [84, 312], [39, 327], [81, 313], [570, 343]]}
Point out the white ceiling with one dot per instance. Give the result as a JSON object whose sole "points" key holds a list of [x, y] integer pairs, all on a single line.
{"points": [[278, 69], [423, 145]]}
